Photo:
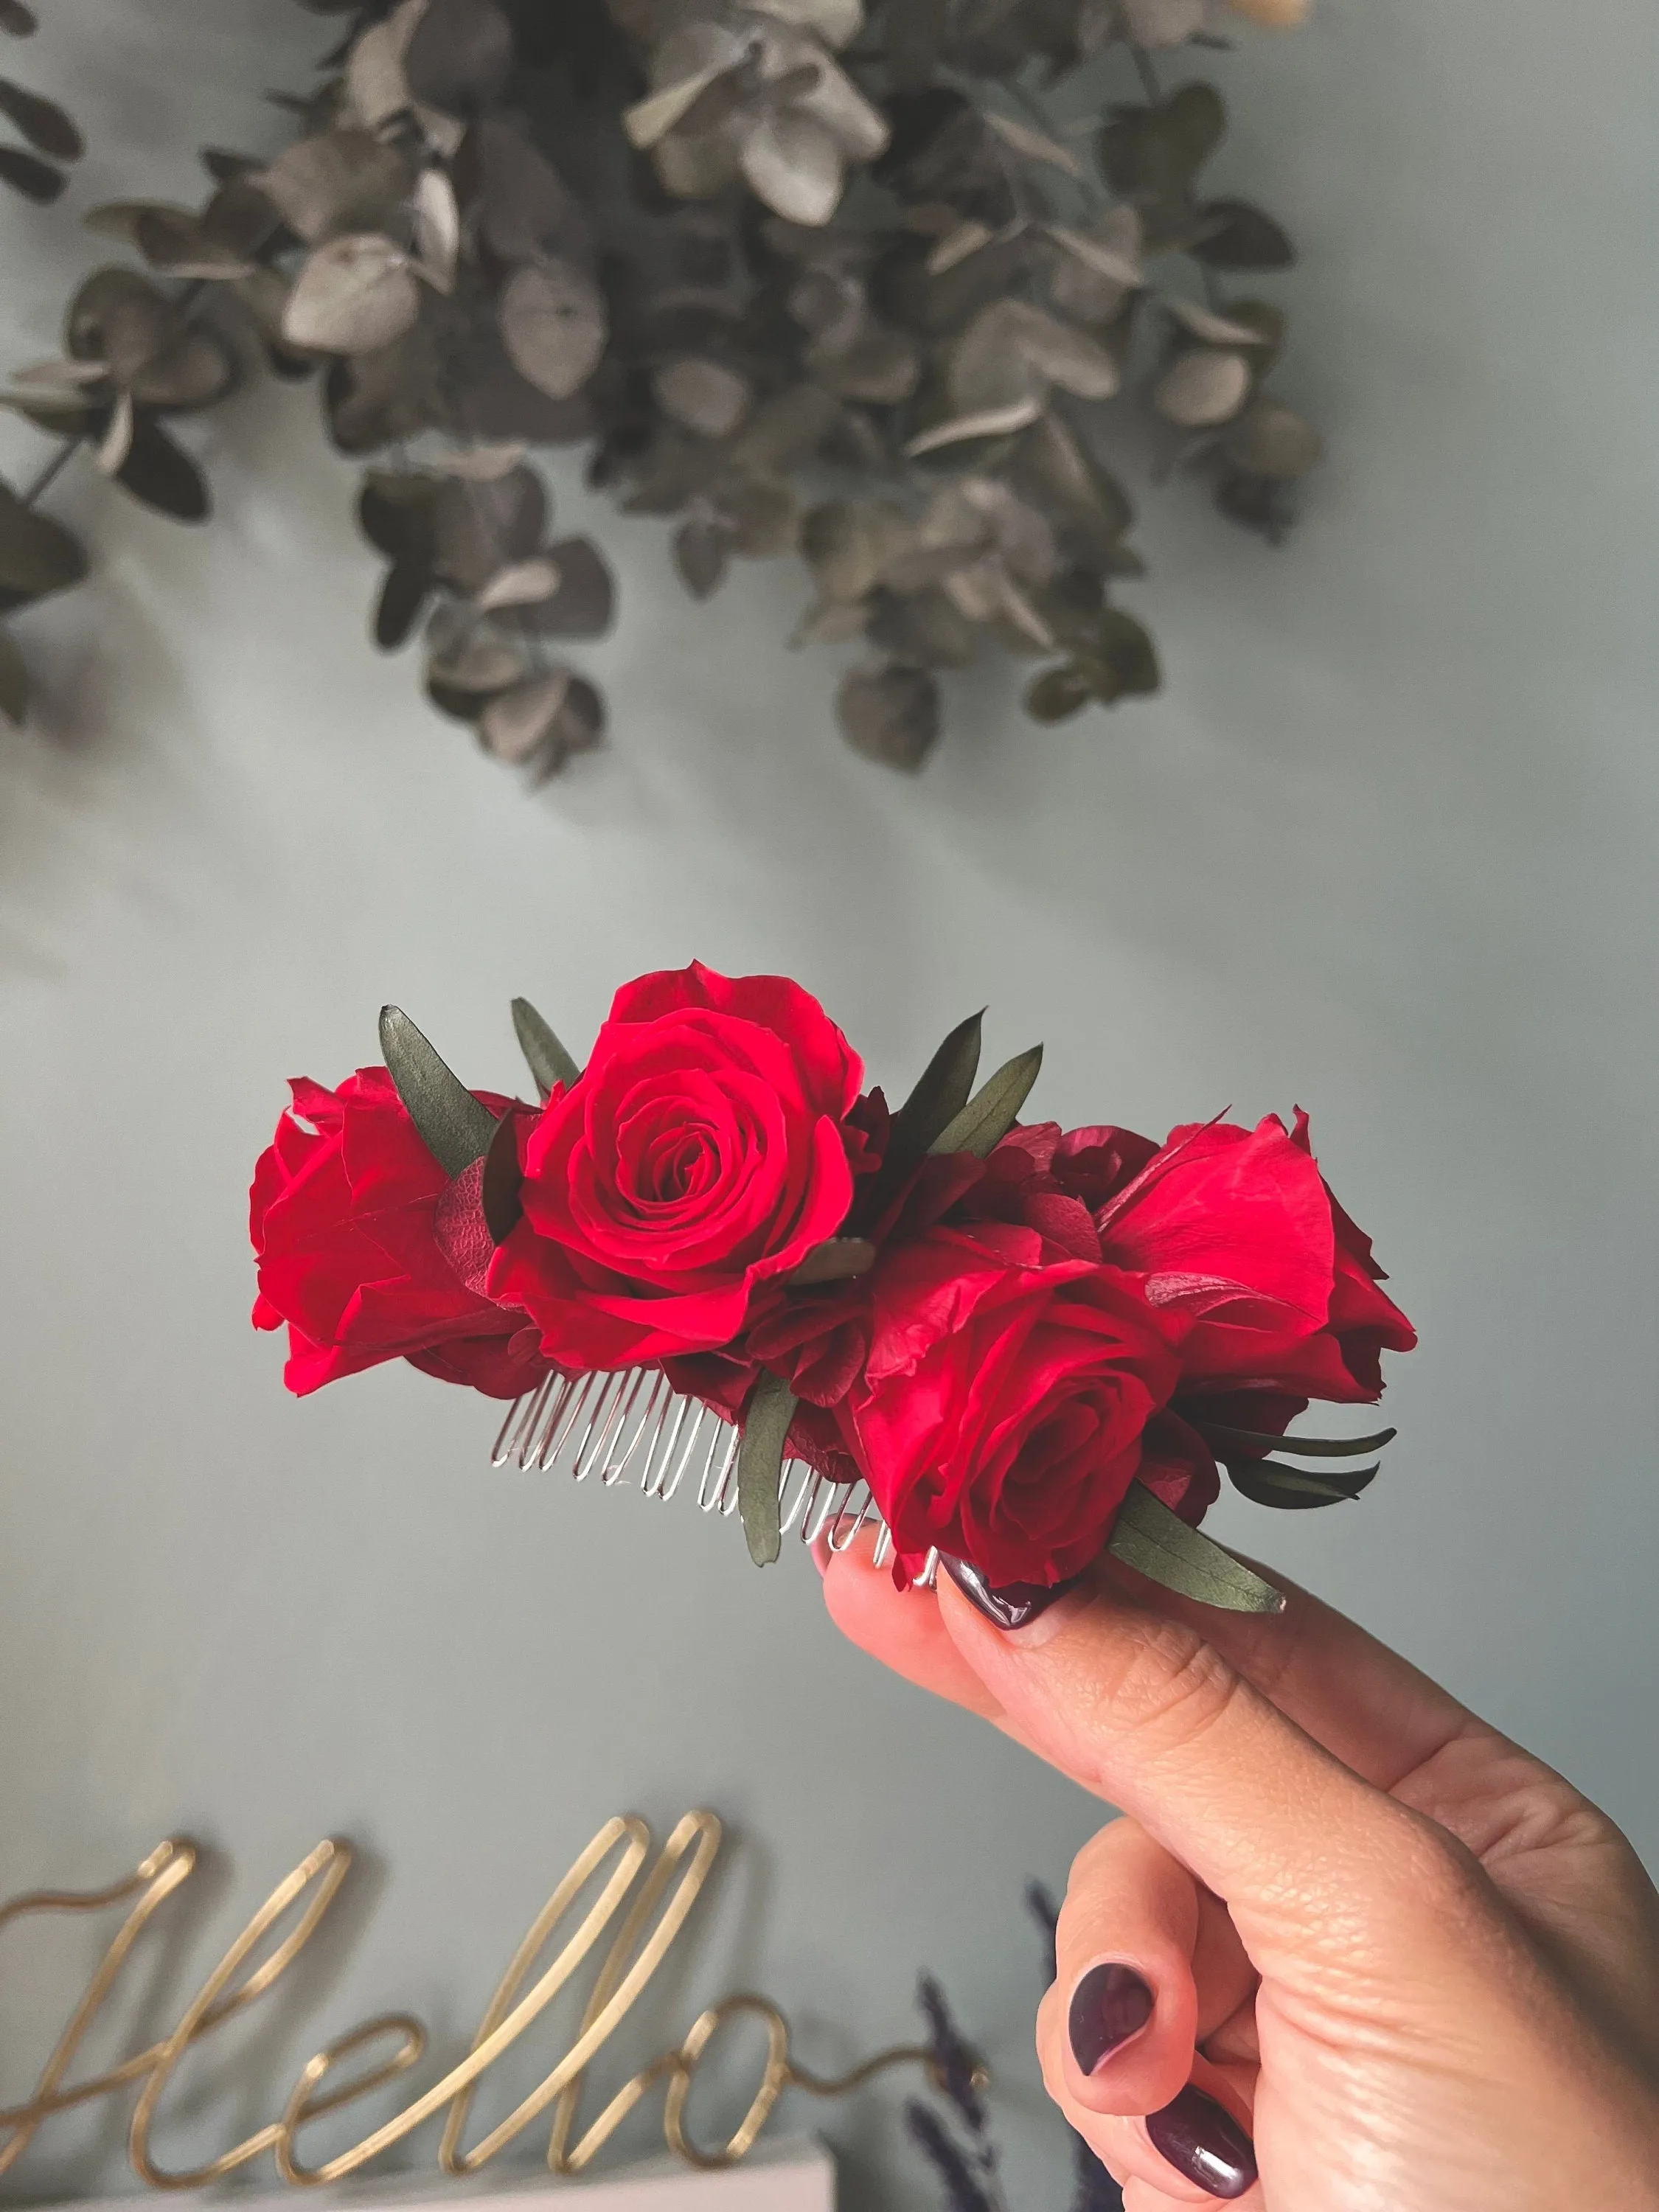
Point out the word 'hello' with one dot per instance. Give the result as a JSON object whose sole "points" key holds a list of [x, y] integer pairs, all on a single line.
{"points": [[633, 1956]]}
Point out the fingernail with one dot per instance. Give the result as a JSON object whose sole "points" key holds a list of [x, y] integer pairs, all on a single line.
{"points": [[1014, 1604], [1109, 2005], [1203, 2140]]}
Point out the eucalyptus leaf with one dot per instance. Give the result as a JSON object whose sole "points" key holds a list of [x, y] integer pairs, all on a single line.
{"points": [[1271, 440], [37, 555], [1201, 387], [889, 713], [27, 174], [550, 1064], [702, 550], [1234, 235], [354, 295], [585, 598], [455, 1127], [766, 1421], [1297, 1489], [516, 725], [1161, 1545], [41, 121], [992, 422], [403, 597], [460, 55], [988, 1116], [553, 324], [162, 475], [14, 685]]}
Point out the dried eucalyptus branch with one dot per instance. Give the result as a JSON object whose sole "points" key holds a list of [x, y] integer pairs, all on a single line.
{"points": [[803, 279]]}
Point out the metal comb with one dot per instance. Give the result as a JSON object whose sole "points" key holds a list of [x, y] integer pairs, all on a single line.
{"points": [[630, 1427]]}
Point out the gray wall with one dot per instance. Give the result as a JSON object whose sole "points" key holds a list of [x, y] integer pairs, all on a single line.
{"points": [[1386, 848]]}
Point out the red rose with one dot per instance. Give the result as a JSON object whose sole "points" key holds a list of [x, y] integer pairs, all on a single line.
{"points": [[368, 1252], [1003, 1404], [703, 1152], [1234, 1230]]}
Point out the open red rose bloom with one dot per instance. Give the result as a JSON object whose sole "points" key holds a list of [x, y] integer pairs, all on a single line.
{"points": [[1012, 1333]]}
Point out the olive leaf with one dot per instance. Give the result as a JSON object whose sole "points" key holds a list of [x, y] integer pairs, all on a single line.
{"points": [[766, 1420], [833, 1261], [456, 1128], [1297, 1489], [941, 1090], [550, 1065], [502, 1180], [1262, 1441], [993, 1110], [1147, 1536]]}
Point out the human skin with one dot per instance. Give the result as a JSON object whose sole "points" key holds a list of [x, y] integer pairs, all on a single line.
{"points": [[1412, 1963]]}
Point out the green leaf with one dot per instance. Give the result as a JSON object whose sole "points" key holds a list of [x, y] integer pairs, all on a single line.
{"points": [[498, 1191], [1235, 235], [1297, 1489], [835, 1260], [13, 681], [989, 1115], [162, 475], [1059, 693], [1161, 1545], [550, 1063], [1129, 652], [941, 1092], [37, 555], [454, 1126], [1299, 1447], [760, 1465]]}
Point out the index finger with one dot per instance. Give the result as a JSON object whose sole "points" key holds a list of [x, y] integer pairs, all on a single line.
{"points": [[1362, 1702]]}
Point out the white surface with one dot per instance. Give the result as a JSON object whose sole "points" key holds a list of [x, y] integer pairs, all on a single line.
{"points": [[793, 2174], [1386, 848]]}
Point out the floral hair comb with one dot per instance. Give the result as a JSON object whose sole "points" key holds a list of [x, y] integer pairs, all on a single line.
{"points": [[711, 1262]]}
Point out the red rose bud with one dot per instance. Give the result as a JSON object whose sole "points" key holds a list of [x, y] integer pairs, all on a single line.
{"points": [[704, 1153], [1236, 1232], [1003, 1404], [364, 1247]]}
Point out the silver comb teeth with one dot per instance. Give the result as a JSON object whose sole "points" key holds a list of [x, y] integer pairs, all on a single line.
{"points": [[629, 1427]]}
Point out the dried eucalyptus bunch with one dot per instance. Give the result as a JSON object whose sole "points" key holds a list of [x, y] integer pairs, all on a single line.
{"points": [[806, 276]]}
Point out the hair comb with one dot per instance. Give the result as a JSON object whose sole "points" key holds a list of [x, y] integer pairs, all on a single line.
{"points": [[1030, 1344], [632, 1428]]}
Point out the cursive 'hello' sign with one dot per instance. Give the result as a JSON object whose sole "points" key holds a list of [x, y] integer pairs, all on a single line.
{"points": [[641, 1908]]}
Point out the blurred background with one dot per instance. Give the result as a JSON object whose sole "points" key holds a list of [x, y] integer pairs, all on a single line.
{"points": [[1384, 848]]}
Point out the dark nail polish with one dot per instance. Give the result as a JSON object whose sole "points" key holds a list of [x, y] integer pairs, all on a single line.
{"points": [[1109, 2005], [1202, 2140], [1014, 1604]]}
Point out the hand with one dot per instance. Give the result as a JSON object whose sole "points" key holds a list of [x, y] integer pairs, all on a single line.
{"points": [[1340, 1916]]}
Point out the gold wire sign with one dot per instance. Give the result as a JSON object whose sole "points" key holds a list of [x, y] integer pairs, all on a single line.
{"points": [[248, 1969]]}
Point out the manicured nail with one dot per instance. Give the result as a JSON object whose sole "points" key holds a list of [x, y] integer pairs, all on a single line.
{"points": [[1203, 2140], [1109, 2005], [1014, 1604]]}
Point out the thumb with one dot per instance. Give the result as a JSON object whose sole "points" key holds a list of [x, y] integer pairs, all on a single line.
{"points": [[1140, 1710]]}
